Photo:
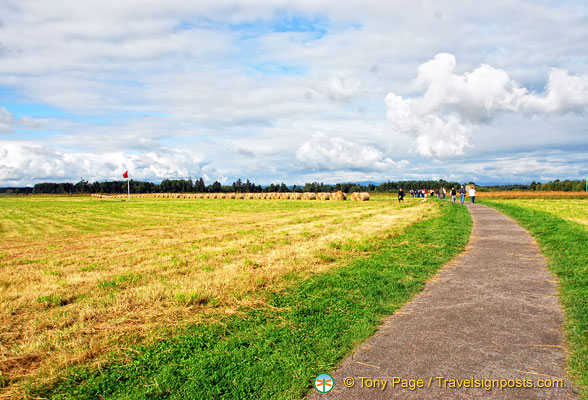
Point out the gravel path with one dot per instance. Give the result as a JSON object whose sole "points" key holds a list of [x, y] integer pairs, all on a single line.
{"points": [[490, 314]]}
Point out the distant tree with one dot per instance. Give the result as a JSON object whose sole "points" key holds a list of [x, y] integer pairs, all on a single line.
{"points": [[187, 185], [238, 186], [199, 186], [17, 190], [216, 187], [81, 187]]}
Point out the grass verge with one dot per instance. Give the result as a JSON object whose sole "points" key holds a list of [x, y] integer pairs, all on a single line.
{"points": [[564, 243], [275, 351]]}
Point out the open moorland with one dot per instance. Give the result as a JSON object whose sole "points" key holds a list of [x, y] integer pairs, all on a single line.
{"points": [[81, 277]]}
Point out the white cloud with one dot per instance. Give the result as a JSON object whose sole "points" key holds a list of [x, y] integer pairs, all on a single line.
{"points": [[525, 167], [336, 153], [9, 123], [563, 93], [444, 117], [6, 120], [208, 79], [342, 89], [22, 163]]}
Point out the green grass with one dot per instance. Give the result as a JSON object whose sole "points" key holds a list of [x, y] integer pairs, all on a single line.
{"points": [[64, 216], [275, 351], [49, 300], [574, 210], [120, 269], [565, 244]]}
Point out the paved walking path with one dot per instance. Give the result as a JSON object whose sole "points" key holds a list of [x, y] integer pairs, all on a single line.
{"points": [[491, 313]]}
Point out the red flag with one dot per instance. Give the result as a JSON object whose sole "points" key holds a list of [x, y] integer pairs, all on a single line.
{"points": [[126, 174]]}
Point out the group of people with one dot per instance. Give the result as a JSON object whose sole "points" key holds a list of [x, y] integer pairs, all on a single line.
{"points": [[441, 193]]}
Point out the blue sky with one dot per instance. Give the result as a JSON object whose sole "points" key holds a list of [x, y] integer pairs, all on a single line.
{"points": [[330, 91]]}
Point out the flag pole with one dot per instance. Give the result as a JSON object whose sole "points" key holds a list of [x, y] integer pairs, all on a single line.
{"points": [[126, 175]]}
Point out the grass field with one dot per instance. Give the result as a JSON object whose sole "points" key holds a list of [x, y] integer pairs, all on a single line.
{"points": [[531, 194], [179, 298], [561, 230], [274, 350], [83, 277], [574, 210]]}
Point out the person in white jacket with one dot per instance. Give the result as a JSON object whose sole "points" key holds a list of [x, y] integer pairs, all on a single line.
{"points": [[472, 194]]}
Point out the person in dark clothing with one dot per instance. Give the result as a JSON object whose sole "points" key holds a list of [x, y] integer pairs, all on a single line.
{"points": [[462, 192], [400, 195], [453, 194]]}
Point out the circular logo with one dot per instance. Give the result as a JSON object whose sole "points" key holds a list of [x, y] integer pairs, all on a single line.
{"points": [[324, 383]]}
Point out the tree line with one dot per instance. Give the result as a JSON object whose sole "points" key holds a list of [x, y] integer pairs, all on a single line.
{"points": [[556, 185], [198, 186]]}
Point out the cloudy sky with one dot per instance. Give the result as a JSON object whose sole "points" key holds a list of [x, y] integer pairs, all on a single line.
{"points": [[312, 90]]}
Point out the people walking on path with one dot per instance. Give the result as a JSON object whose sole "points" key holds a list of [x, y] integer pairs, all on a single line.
{"points": [[444, 193], [400, 195], [462, 192], [472, 194], [453, 194]]}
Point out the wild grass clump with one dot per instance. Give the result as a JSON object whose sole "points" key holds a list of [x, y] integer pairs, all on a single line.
{"points": [[49, 301]]}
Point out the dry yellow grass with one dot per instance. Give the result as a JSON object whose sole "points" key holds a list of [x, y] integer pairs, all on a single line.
{"points": [[81, 276]]}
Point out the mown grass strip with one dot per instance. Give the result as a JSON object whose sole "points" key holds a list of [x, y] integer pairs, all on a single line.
{"points": [[565, 244], [274, 352]]}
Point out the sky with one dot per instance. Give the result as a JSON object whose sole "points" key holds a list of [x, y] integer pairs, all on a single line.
{"points": [[280, 91]]}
